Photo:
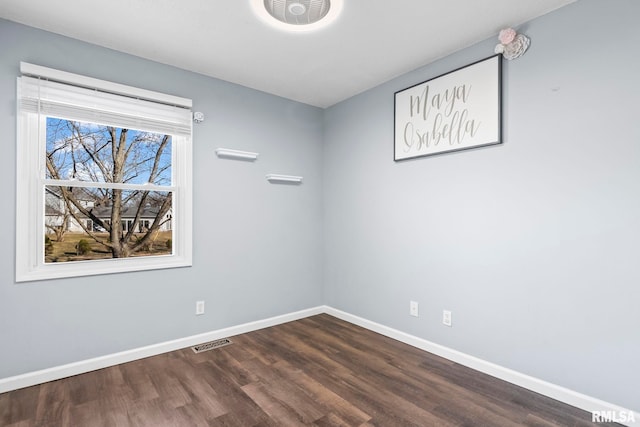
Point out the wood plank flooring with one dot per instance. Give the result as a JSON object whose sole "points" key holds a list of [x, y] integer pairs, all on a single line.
{"points": [[318, 371]]}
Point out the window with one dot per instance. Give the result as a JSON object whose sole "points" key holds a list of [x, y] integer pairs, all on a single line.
{"points": [[104, 177]]}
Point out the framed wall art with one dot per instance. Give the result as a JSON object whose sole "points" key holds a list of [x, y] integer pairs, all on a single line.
{"points": [[455, 111]]}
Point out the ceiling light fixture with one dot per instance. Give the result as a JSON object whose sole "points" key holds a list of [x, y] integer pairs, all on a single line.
{"points": [[297, 15], [297, 8]]}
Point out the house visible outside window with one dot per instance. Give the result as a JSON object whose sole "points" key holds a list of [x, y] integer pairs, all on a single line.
{"points": [[104, 177]]}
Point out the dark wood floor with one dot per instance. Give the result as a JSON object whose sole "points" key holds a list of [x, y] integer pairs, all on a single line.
{"points": [[319, 371]]}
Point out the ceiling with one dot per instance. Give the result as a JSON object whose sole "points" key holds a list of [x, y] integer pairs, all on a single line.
{"points": [[371, 42]]}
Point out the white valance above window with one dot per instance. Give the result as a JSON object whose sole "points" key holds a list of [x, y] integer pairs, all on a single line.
{"points": [[91, 100]]}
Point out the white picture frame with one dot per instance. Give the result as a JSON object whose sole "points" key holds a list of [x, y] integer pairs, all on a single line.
{"points": [[459, 110]]}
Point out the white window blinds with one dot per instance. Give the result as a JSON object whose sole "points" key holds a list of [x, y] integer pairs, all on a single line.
{"points": [[40, 95]]}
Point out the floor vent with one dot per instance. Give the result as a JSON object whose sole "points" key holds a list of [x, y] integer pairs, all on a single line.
{"points": [[210, 345]]}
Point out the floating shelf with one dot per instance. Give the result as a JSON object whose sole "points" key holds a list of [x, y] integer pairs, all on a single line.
{"points": [[287, 179], [227, 153]]}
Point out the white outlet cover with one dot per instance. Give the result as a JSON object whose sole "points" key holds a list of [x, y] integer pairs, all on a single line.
{"points": [[199, 307], [446, 317], [413, 308]]}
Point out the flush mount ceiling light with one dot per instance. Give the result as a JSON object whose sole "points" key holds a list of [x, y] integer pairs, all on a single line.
{"points": [[297, 9], [297, 15]]}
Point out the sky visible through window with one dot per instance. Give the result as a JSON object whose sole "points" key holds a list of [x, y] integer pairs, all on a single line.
{"points": [[85, 152]]}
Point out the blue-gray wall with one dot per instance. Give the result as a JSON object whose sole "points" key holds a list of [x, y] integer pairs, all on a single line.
{"points": [[257, 246], [534, 244]]}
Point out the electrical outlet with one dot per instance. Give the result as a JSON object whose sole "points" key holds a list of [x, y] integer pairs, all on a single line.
{"points": [[413, 308], [199, 307], [446, 317]]}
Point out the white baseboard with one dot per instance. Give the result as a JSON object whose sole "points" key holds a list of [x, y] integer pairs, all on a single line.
{"points": [[58, 372], [553, 391]]}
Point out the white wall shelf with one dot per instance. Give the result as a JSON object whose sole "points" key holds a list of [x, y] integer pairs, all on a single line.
{"points": [[227, 153], [284, 179]]}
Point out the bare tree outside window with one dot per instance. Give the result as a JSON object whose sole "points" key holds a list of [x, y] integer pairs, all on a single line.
{"points": [[113, 219]]}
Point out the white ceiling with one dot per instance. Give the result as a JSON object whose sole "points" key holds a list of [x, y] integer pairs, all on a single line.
{"points": [[371, 42]]}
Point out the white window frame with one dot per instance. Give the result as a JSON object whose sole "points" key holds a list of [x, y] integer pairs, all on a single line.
{"points": [[31, 178]]}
